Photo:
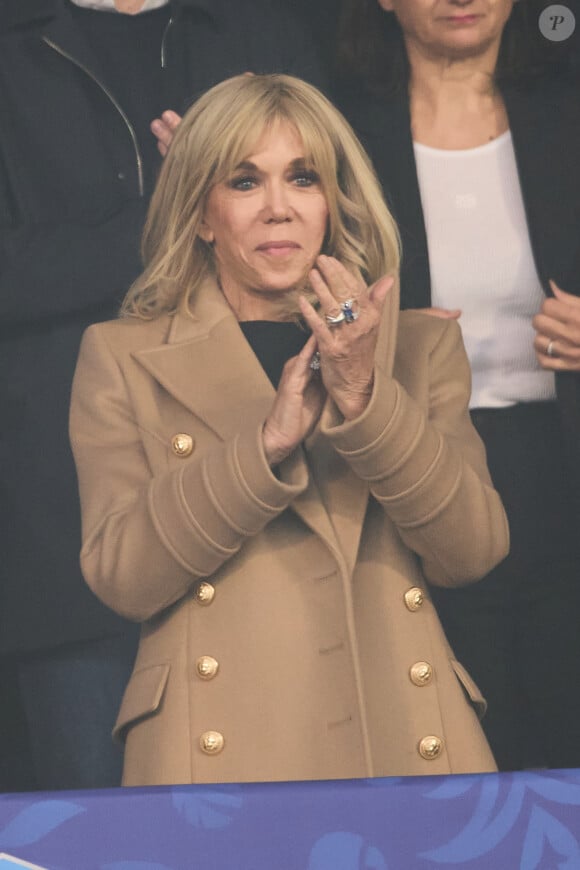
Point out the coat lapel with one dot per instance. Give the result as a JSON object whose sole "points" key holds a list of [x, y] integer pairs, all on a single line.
{"points": [[207, 365]]}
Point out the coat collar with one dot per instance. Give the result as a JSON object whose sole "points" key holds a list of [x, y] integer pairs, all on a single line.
{"points": [[208, 366]]}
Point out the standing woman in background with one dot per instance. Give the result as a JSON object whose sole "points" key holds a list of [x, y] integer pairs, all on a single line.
{"points": [[477, 153]]}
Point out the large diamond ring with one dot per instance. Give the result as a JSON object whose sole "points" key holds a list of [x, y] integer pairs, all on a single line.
{"points": [[333, 320], [350, 315]]}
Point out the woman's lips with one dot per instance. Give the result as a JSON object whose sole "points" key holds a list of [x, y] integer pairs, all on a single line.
{"points": [[462, 19], [278, 249]]}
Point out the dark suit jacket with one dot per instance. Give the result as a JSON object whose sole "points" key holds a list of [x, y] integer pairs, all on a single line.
{"points": [[544, 118], [71, 215]]}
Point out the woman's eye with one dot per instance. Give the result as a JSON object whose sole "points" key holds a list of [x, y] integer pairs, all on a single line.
{"points": [[244, 182], [305, 179]]}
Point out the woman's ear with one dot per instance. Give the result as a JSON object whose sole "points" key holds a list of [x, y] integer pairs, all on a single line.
{"points": [[206, 234], [386, 5]]}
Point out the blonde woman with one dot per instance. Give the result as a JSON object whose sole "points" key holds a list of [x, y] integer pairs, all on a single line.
{"points": [[269, 485]]}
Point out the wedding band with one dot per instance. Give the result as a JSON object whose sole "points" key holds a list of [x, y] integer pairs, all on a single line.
{"points": [[315, 362], [335, 319], [550, 348], [349, 314]]}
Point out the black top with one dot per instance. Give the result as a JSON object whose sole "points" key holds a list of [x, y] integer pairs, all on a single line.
{"points": [[274, 343]]}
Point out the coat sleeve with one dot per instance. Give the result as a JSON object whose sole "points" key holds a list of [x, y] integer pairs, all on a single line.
{"points": [[426, 466], [148, 537]]}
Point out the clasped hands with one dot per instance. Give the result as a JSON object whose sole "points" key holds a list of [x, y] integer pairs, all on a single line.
{"points": [[347, 356]]}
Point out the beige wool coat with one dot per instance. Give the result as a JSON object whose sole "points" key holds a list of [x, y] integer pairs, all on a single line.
{"points": [[287, 630]]}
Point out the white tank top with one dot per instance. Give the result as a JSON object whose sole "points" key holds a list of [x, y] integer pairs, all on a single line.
{"points": [[481, 261]]}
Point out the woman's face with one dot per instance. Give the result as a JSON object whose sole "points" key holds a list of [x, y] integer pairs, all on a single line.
{"points": [[450, 28], [266, 223]]}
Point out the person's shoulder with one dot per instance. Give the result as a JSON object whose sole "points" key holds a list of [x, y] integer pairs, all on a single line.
{"points": [[553, 86], [425, 330], [16, 15], [127, 335]]}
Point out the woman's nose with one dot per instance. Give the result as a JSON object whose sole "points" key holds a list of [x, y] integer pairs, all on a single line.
{"points": [[276, 203]]}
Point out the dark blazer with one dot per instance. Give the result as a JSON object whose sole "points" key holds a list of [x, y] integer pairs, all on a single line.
{"points": [[71, 213], [544, 118]]}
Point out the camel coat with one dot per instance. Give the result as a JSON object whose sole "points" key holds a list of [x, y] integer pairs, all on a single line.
{"points": [[287, 627]]}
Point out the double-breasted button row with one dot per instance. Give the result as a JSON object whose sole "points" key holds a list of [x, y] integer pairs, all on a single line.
{"points": [[421, 673], [204, 593], [212, 742], [182, 445], [414, 598], [207, 667], [430, 747]]}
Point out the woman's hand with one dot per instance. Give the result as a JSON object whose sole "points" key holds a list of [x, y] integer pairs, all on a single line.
{"points": [[557, 341], [297, 406], [347, 350], [164, 128]]}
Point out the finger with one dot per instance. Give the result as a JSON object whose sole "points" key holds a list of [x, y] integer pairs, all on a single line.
{"points": [[305, 355], [171, 119], [566, 330], [556, 310], [328, 301], [298, 367], [342, 283], [162, 132], [556, 363], [380, 290], [442, 313], [560, 294], [556, 353], [317, 326]]}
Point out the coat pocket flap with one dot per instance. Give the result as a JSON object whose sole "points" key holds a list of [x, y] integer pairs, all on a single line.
{"points": [[142, 697], [471, 688]]}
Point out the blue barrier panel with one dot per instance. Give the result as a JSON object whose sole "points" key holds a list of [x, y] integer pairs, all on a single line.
{"points": [[520, 821]]}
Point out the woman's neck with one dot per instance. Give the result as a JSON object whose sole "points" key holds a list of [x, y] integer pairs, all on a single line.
{"points": [[454, 103]]}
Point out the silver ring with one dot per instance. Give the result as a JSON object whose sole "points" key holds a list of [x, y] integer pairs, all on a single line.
{"points": [[336, 319], [315, 362], [349, 314], [550, 348]]}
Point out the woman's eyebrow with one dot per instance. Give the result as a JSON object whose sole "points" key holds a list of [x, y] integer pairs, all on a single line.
{"points": [[248, 166]]}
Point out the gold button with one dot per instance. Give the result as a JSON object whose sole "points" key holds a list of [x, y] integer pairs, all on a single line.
{"points": [[421, 673], [430, 747], [211, 742], [182, 444], [204, 593], [414, 598], [207, 667]]}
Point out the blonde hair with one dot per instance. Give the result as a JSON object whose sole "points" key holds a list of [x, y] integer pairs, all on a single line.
{"points": [[217, 133]]}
